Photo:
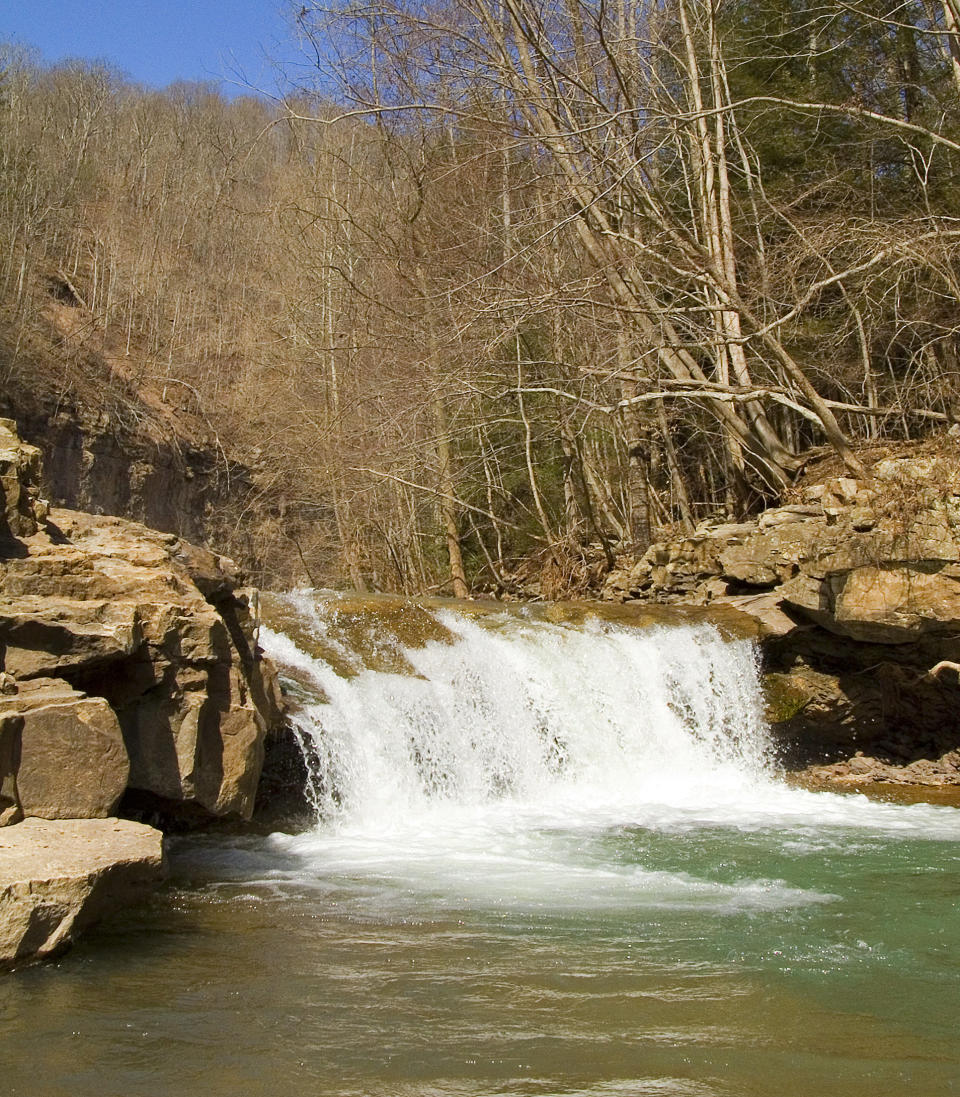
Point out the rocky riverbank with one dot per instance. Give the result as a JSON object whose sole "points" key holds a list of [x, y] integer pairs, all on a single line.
{"points": [[131, 684], [855, 585]]}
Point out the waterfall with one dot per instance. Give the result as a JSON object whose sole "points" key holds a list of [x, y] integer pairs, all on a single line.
{"points": [[498, 708], [472, 758]]}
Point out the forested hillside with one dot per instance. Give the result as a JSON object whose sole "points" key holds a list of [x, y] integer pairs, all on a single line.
{"points": [[502, 278]]}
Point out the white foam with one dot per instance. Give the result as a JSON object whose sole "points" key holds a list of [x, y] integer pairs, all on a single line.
{"points": [[474, 779]]}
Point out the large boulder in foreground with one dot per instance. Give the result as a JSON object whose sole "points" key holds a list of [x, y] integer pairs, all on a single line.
{"points": [[73, 763], [59, 877]]}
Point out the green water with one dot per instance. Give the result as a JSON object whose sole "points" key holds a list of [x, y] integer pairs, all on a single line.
{"points": [[693, 959]]}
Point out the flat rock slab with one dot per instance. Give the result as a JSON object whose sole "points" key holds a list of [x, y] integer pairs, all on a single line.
{"points": [[57, 877]]}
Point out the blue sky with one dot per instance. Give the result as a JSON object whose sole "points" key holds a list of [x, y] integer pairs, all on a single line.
{"points": [[158, 41]]}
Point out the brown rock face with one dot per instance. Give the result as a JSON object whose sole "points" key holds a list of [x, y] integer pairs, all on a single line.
{"points": [[73, 763], [157, 636], [49, 635], [876, 562], [11, 727], [19, 480], [57, 878], [886, 604], [153, 473]]}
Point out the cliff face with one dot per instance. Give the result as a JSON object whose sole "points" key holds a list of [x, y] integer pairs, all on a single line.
{"points": [[148, 472], [131, 673], [857, 588]]}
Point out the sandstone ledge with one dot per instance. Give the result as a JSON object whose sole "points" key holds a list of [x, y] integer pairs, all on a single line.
{"points": [[59, 877], [130, 678]]}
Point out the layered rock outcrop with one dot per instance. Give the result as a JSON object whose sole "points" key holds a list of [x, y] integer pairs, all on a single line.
{"points": [[118, 452], [129, 646], [856, 587], [21, 510]]}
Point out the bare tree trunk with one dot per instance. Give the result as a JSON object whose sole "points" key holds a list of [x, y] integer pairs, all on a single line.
{"points": [[571, 508], [951, 19], [636, 434], [448, 506], [677, 481]]}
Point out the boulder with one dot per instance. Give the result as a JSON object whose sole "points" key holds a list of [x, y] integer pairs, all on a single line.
{"points": [[772, 555], [876, 561], [816, 715], [20, 508], [59, 877], [851, 701], [73, 763], [923, 470], [766, 609], [885, 604], [197, 742]]}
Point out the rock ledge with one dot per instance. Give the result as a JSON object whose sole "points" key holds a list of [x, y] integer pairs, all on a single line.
{"points": [[57, 877], [132, 681]]}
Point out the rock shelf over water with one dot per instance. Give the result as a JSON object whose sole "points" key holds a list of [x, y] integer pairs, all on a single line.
{"points": [[59, 877]]}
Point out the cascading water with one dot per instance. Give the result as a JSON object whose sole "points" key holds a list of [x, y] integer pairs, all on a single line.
{"points": [[478, 762], [508, 710]]}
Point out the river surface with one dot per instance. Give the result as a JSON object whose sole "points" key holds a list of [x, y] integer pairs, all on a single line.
{"points": [[550, 858]]}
